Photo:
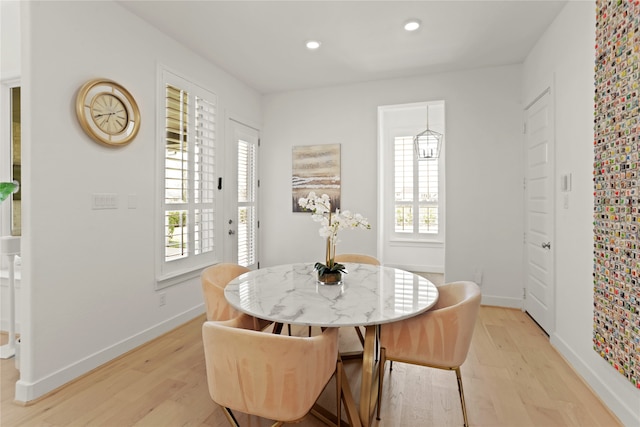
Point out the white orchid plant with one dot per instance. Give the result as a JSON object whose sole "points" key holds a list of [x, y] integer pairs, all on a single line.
{"points": [[330, 224]]}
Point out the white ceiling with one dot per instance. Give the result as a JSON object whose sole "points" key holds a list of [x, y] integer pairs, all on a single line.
{"points": [[262, 42]]}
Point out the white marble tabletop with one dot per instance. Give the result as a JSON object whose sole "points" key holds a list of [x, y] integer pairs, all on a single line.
{"points": [[368, 295]]}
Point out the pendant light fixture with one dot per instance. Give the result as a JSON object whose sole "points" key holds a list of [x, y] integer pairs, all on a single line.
{"points": [[427, 143]]}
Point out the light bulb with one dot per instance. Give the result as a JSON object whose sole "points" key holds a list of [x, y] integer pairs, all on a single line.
{"points": [[412, 25]]}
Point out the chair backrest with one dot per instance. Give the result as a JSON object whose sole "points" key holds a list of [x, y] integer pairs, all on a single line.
{"points": [[278, 377], [359, 258], [440, 337], [214, 279]]}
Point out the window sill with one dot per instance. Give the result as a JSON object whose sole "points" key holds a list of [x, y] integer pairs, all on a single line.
{"points": [[417, 243], [175, 279]]}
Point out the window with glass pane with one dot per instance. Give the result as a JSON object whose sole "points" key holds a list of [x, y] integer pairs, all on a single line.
{"points": [[247, 218], [415, 189], [176, 176], [189, 171]]}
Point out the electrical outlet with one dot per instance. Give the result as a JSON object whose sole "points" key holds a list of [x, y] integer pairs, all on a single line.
{"points": [[162, 299]]}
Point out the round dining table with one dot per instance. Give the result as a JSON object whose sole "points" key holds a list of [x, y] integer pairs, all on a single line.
{"points": [[368, 296]]}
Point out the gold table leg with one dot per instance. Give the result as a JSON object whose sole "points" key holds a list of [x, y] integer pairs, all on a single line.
{"points": [[344, 394], [362, 415], [369, 383]]}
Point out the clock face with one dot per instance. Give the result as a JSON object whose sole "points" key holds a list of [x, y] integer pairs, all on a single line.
{"points": [[109, 113]]}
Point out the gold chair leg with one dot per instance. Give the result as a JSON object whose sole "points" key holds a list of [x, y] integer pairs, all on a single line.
{"points": [[339, 391], [461, 392], [383, 359], [277, 424], [232, 420]]}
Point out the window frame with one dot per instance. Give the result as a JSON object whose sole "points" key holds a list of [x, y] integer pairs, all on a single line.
{"points": [[170, 272], [7, 209], [404, 130]]}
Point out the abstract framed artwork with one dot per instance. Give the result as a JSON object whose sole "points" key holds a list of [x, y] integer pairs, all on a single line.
{"points": [[315, 168], [616, 179]]}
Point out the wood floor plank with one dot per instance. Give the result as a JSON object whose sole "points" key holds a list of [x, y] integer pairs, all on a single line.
{"points": [[512, 377]]}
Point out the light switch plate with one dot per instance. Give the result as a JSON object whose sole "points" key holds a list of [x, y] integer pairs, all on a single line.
{"points": [[565, 182], [104, 201]]}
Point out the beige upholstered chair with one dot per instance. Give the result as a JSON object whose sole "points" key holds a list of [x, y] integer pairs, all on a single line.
{"points": [[358, 258], [214, 279], [439, 338], [273, 376]]}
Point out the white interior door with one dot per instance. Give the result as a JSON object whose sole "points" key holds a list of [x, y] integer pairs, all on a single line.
{"points": [[242, 191], [539, 212]]}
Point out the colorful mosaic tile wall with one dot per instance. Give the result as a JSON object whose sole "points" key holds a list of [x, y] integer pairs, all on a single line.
{"points": [[616, 335]]}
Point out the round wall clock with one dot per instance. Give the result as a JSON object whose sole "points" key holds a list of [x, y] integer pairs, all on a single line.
{"points": [[107, 112]]}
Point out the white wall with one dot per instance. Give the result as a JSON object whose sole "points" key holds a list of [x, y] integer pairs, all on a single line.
{"points": [[89, 275], [568, 58], [10, 40], [483, 170]]}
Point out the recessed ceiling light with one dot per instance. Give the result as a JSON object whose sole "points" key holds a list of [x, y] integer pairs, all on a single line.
{"points": [[412, 25], [313, 44]]}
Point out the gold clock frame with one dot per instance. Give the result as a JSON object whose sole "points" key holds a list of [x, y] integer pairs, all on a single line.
{"points": [[84, 106]]}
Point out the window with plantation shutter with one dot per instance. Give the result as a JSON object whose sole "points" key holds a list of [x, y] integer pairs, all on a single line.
{"points": [[416, 190], [247, 203], [189, 193]]}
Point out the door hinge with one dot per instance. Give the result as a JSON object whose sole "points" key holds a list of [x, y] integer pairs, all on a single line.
{"points": [[258, 183], [524, 293], [524, 128], [258, 142], [219, 183], [258, 224]]}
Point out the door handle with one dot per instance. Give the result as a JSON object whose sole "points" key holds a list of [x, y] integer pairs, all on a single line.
{"points": [[546, 245], [231, 232]]}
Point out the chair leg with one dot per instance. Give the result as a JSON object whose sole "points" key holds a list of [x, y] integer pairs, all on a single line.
{"points": [[232, 420], [339, 391], [464, 407], [383, 359]]}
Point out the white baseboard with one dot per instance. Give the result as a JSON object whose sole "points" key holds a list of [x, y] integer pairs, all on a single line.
{"points": [[599, 386], [28, 391], [501, 301]]}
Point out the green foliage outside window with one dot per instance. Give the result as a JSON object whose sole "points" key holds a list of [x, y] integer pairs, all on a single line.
{"points": [[176, 220]]}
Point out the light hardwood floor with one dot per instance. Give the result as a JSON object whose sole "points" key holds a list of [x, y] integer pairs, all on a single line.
{"points": [[512, 377]]}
